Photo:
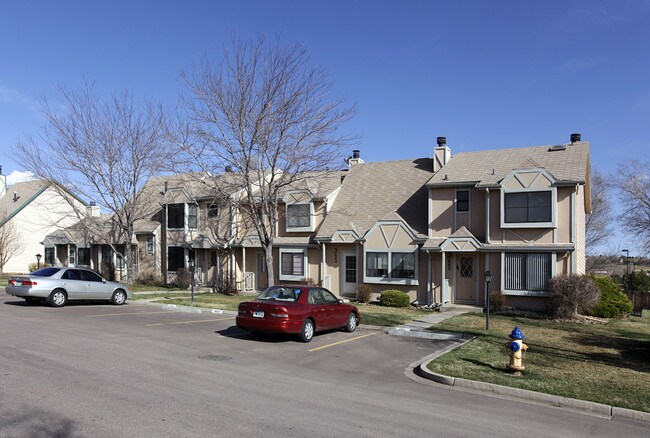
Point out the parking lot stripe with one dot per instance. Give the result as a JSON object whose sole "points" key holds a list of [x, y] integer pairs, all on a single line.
{"points": [[127, 313], [187, 322], [341, 342]]}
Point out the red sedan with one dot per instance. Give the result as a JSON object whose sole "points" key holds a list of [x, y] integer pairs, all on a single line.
{"points": [[303, 310]]}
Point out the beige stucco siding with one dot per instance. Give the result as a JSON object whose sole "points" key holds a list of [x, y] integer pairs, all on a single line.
{"points": [[580, 252], [564, 214], [45, 214], [442, 211]]}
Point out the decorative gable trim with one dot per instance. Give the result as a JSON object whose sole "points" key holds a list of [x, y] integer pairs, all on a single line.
{"points": [[461, 244]]}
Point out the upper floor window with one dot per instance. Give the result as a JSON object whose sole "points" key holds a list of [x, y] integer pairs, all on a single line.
{"points": [[462, 200], [193, 216], [213, 210], [150, 242], [175, 215], [527, 207], [299, 217]]}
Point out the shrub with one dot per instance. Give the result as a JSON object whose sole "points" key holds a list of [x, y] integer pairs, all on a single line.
{"points": [[35, 266], [183, 278], [364, 293], [613, 301], [149, 278], [394, 298], [497, 302], [638, 281], [571, 294]]}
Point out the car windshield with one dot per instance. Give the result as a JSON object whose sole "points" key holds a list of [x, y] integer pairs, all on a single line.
{"points": [[45, 272], [280, 294]]}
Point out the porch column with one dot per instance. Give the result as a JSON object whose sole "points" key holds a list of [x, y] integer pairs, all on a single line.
{"points": [[443, 283], [243, 267], [429, 288], [323, 266]]}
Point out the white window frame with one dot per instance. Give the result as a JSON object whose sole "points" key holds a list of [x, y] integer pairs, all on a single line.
{"points": [[305, 268], [551, 224], [388, 279], [153, 243], [189, 208], [536, 293], [310, 228]]}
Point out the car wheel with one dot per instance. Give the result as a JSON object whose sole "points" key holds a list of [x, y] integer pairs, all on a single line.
{"points": [[33, 301], [352, 323], [58, 298], [118, 298], [307, 331]]}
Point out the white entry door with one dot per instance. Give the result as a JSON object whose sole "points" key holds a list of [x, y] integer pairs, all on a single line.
{"points": [[349, 273]]}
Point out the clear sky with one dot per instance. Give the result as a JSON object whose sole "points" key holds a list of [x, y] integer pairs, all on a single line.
{"points": [[484, 74]]}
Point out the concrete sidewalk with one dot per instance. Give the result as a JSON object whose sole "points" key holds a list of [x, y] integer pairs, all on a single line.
{"points": [[419, 328]]}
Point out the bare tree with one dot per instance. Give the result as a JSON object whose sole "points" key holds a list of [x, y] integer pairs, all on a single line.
{"points": [[10, 244], [102, 150], [267, 115], [598, 222], [633, 184]]}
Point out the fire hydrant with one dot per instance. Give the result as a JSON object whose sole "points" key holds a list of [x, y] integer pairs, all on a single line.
{"points": [[517, 349]]}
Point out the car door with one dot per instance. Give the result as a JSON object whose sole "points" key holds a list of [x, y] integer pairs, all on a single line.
{"points": [[337, 314], [96, 288], [318, 308], [73, 284]]}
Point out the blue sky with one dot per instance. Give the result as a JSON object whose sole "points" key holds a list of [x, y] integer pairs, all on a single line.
{"points": [[484, 74]]}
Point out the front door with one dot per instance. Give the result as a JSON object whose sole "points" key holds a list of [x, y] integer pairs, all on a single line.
{"points": [[349, 273], [466, 271]]}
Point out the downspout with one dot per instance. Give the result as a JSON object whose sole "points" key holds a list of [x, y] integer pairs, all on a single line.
{"points": [[429, 274], [323, 265], [487, 215], [574, 255]]}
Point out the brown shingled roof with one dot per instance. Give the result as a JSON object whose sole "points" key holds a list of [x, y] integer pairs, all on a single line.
{"points": [[490, 167], [372, 191]]}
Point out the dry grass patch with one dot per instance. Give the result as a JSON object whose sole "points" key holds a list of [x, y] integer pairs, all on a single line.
{"points": [[605, 363]]}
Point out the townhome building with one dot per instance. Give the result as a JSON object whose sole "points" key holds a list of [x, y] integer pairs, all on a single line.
{"points": [[431, 227], [28, 211]]}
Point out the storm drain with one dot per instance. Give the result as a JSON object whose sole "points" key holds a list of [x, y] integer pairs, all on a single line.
{"points": [[215, 357]]}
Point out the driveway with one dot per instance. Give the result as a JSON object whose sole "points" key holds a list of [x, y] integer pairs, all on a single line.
{"points": [[138, 370]]}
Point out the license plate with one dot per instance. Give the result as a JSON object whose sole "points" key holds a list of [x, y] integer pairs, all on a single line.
{"points": [[258, 314]]}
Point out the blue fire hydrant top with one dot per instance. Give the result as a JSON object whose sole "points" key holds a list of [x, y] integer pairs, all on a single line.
{"points": [[517, 333]]}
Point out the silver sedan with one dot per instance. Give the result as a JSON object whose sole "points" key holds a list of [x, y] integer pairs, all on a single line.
{"points": [[58, 285]]}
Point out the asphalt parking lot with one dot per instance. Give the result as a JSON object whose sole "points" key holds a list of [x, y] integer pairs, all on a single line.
{"points": [[214, 337], [91, 369]]}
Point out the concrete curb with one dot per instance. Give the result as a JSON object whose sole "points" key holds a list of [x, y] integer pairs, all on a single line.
{"points": [[422, 370], [186, 309]]}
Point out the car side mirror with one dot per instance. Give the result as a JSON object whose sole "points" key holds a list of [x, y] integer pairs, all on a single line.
{"points": [[103, 280], [340, 301]]}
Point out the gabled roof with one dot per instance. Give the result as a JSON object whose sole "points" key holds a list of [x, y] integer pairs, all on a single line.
{"points": [[374, 191], [488, 168], [25, 193]]}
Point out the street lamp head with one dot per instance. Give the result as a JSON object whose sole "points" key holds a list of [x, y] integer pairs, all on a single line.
{"points": [[38, 257], [191, 263], [488, 276]]}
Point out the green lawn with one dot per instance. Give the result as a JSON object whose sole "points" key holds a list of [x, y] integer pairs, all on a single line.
{"points": [[605, 363]]}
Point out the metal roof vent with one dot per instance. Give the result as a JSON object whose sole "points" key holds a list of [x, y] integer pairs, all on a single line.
{"points": [[575, 137], [557, 147], [441, 141]]}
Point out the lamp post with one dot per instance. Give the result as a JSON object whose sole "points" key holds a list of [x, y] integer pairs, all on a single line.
{"points": [[38, 261], [627, 267], [191, 263], [488, 279]]}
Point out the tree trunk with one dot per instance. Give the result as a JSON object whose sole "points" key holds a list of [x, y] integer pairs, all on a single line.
{"points": [[268, 255]]}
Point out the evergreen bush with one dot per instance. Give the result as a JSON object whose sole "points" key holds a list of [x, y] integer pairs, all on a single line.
{"points": [[394, 298], [613, 301]]}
